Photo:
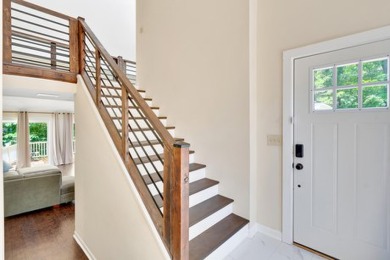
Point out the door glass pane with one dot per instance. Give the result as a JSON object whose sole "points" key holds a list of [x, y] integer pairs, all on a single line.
{"points": [[347, 75], [323, 100], [375, 96], [375, 71], [323, 78], [347, 98]]}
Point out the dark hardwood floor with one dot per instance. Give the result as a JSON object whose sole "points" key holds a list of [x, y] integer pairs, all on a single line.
{"points": [[43, 234]]}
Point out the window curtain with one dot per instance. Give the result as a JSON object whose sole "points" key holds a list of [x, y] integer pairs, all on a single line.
{"points": [[62, 139], [23, 153]]}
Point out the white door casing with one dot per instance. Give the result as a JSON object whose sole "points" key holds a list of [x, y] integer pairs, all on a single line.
{"points": [[342, 195]]}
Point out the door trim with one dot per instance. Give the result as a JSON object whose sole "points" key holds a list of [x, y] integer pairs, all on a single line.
{"points": [[289, 57]]}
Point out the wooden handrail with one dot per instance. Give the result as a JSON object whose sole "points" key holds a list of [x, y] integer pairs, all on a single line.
{"points": [[157, 125]]}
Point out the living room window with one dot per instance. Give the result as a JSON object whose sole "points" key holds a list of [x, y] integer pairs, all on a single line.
{"points": [[38, 143]]}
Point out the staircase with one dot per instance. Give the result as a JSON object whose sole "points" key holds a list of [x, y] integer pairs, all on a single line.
{"points": [[193, 219], [211, 218]]}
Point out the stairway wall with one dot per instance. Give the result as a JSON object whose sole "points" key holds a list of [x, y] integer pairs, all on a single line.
{"points": [[110, 220], [193, 60]]}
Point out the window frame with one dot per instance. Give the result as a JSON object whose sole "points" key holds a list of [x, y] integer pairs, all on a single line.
{"points": [[360, 86]]}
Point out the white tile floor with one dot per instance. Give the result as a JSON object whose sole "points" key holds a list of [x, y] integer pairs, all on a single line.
{"points": [[262, 247]]}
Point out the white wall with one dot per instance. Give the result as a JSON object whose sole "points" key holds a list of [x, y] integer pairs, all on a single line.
{"points": [[193, 60], [112, 21], [284, 25], [110, 220]]}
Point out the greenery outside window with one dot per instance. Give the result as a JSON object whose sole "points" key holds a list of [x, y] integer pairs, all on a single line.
{"points": [[359, 85]]}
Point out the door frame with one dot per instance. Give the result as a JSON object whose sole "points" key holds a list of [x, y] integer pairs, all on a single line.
{"points": [[289, 57]]}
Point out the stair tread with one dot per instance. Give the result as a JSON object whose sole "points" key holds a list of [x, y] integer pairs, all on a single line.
{"points": [[195, 187], [156, 178], [206, 208], [148, 129], [137, 117], [207, 242], [152, 142], [201, 184], [120, 97], [132, 107], [152, 158], [119, 88]]}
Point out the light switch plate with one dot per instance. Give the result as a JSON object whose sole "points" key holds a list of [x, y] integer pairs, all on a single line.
{"points": [[274, 140]]}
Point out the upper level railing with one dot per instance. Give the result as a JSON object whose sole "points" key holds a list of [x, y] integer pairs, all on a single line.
{"points": [[36, 37], [38, 42]]}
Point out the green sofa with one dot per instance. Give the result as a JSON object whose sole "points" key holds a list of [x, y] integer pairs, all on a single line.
{"points": [[33, 188]]}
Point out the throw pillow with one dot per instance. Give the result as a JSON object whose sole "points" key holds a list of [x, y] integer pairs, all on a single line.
{"points": [[6, 166]]}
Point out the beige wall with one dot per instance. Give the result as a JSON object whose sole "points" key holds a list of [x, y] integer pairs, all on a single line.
{"points": [[283, 25], [192, 58], [109, 218]]}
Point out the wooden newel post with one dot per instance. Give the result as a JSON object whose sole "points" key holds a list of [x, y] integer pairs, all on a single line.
{"points": [[121, 63], [7, 51], [74, 46], [176, 200], [81, 47]]}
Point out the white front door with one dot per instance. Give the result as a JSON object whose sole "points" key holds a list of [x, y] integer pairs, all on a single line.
{"points": [[342, 169]]}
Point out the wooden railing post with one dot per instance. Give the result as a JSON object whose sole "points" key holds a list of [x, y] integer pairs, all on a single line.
{"points": [[81, 47], [53, 55], [176, 200], [74, 46], [121, 63], [7, 51]]}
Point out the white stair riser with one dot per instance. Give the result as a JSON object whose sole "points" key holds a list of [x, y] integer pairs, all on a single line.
{"points": [[160, 185], [142, 151], [135, 113], [211, 220], [117, 112], [203, 195], [149, 135], [157, 165], [153, 188], [226, 248], [149, 167], [194, 175], [197, 175], [141, 123]]}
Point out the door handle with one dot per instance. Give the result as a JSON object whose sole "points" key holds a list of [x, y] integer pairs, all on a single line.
{"points": [[299, 166]]}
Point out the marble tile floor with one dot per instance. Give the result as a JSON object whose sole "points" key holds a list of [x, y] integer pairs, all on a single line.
{"points": [[262, 247]]}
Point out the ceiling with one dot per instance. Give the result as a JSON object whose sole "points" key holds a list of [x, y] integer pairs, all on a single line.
{"points": [[37, 95]]}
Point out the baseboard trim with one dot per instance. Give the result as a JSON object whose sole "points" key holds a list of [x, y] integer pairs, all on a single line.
{"points": [[276, 234], [83, 246]]}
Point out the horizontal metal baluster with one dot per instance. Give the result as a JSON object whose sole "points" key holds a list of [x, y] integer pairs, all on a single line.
{"points": [[39, 17]]}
